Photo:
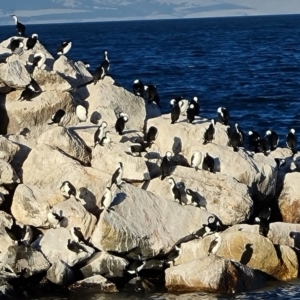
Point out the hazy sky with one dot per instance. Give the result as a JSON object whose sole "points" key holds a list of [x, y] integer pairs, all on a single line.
{"points": [[50, 11]]}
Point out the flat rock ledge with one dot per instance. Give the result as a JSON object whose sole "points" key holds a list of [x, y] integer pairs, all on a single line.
{"points": [[135, 235]]}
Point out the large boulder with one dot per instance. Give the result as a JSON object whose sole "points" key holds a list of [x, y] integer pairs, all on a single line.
{"points": [[8, 149], [145, 224], [105, 264], [67, 141], [213, 274], [289, 199], [31, 204], [60, 273], [56, 168], [223, 195]]}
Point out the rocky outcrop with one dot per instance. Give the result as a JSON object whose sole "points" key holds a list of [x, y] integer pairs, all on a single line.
{"points": [[220, 276], [8, 175], [222, 195], [96, 283], [154, 232], [60, 273]]}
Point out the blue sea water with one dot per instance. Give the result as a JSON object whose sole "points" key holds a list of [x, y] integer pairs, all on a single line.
{"points": [[251, 65]]}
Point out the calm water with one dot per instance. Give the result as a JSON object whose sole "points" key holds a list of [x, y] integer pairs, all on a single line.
{"points": [[251, 65]]}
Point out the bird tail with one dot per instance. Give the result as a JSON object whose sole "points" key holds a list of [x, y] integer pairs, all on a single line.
{"points": [[205, 142]]}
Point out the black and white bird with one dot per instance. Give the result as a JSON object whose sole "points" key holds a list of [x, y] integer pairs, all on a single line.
{"points": [[174, 255], [16, 46], [209, 133], [253, 138], [291, 141], [106, 140], [175, 190], [151, 94], [105, 64], [54, 219], [77, 235], [136, 267], [117, 176], [192, 197], [39, 60], [224, 115], [121, 121], [99, 74], [16, 232], [58, 117], [68, 188], [21, 28], [263, 220], [175, 113], [208, 163], [31, 41], [165, 165], [196, 108], [273, 139], [236, 138], [213, 223], [64, 48], [28, 93], [262, 146], [138, 88], [215, 244], [99, 133], [151, 136], [191, 113], [106, 199], [27, 239], [196, 160], [75, 247]]}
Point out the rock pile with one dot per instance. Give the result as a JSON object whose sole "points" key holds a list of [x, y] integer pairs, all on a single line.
{"points": [[52, 237]]}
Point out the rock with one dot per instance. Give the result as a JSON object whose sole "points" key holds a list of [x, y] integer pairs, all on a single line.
{"points": [[221, 276], [4, 89], [54, 247], [60, 273], [67, 141], [96, 283], [89, 182], [145, 224], [222, 195], [14, 74], [7, 291], [105, 264], [8, 175], [25, 260], [50, 81], [289, 199], [8, 149], [106, 159], [31, 204], [75, 73], [109, 100], [76, 215], [5, 221], [3, 194]]}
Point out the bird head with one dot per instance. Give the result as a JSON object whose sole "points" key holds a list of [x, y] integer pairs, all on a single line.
{"points": [[195, 99], [35, 36], [121, 165], [268, 132], [292, 131]]}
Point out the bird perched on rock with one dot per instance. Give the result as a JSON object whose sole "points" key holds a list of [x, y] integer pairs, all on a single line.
{"points": [[151, 136], [16, 46], [273, 139], [262, 146], [224, 115], [75, 247], [99, 74], [263, 220], [196, 160], [175, 190], [77, 235], [99, 133], [291, 141], [39, 60], [215, 244], [28, 93], [236, 138], [106, 140], [117, 176], [138, 88], [174, 255], [208, 163], [58, 117], [16, 232], [209, 132], [151, 94], [253, 138], [193, 198], [105, 64], [175, 113], [106, 199], [190, 113], [136, 267], [31, 41], [21, 28], [165, 165], [54, 219], [64, 48], [68, 188], [121, 121], [196, 105]]}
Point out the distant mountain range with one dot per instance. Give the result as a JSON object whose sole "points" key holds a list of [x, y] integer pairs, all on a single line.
{"points": [[54, 11]]}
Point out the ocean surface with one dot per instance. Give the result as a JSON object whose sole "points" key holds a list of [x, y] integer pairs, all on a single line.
{"points": [[251, 65]]}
